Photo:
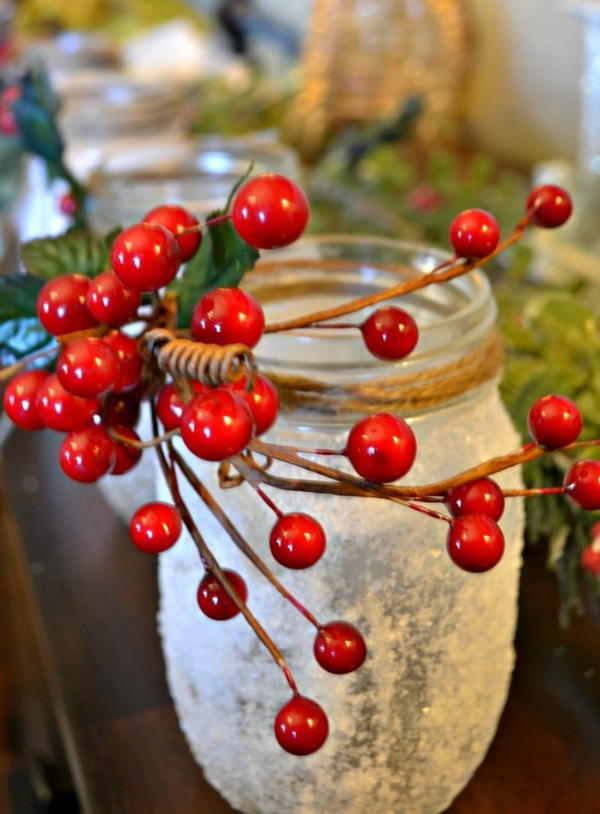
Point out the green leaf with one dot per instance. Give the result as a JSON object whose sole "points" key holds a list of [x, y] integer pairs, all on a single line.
{"points": [[39, 130], [20, 330], [76, 252], [21, 337], [222, 260], [18, 296]]}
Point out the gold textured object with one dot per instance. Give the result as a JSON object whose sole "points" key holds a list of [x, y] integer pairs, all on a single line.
{"points": [[362, 58]]}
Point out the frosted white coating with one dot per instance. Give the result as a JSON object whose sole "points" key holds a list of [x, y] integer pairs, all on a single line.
{"points": [[410, 727]]}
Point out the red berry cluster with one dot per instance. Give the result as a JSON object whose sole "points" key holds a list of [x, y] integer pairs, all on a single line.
{"points": [[94, 396]]}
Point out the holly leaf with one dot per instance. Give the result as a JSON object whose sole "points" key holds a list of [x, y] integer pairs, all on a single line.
{"points": [[222, 260], [20, 331], [76, 252]]}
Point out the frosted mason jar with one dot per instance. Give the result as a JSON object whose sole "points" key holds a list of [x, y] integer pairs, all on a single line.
{"points": [[408, 729]]}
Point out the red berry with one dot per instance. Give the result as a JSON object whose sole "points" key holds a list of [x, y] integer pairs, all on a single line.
{"points": [[121, 409], [86, 455], [60, 410], [170, 406], [111, 302], [68, 205], [270, 211], [381, 447], [20, 399], [301, 726], [8, 123], [155, 527], [590, 559], [339, 647], [214, 600], [129, 361], [474, 233], [481, 496], [475, 543], [87, 367], [216, 425], [61, 305], [228, 315], [554, 421], [297, 540], [126, 455], [582, 484], [145, 257], [551, 206], [176, 219], [390, 333], [262, 400]]}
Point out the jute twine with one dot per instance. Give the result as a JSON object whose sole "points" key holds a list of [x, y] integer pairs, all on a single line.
{"points": [[402, 393]]}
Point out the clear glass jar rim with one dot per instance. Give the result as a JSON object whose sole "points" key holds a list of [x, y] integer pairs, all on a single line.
{"points": [[477, 311]]}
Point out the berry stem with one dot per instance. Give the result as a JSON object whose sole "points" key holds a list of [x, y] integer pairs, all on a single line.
{"points": [[546, 490], [152, 442], [207, 557], [405, 287], [235, 534], [333, 325], [267, 500], [444, 264], [11, 370]]}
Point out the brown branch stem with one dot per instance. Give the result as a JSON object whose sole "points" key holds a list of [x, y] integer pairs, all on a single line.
{"points": [[239, 540], [401, 289], [210, 563]]}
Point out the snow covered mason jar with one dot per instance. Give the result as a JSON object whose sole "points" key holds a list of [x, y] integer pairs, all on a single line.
{"points": [[407, 729]]}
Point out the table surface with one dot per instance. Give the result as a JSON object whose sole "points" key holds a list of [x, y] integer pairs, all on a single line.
{"points": [[94, 599]]}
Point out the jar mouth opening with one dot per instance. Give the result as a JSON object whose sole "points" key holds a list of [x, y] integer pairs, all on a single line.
{"points": [[327, 270]]}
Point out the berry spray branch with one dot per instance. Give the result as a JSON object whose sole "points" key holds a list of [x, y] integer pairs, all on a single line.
{"points": [[119, 342]]}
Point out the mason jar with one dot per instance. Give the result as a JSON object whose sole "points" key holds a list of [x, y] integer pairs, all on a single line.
{"points": [[408, 729], [198, 174]]}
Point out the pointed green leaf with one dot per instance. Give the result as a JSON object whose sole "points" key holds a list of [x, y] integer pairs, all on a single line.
{"points": [[76, 252], [18, 296], [222, 260]]}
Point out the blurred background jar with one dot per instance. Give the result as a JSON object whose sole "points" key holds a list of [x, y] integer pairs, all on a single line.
{"points": [[197, 174]]}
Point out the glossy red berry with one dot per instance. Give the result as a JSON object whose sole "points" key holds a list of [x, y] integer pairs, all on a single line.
{"points": [[551, 206], [481, 496], [68, 205], [301, 726], [339, 648], [170, 406], [554, 421], [111, 302], [216, 425], [474, 233], [475, 542], [60, 410], [381, 447], [87, 367], [590, 559], [121, 409], [390, 333], [126, 455], [145, 257], [297, 540], [262, 400], [177, 220], [129, 361], [155, 527], [87, 454], [61, 305], [270, 211], [228, 315], [213, 599], [20, 399], [582, 484]]}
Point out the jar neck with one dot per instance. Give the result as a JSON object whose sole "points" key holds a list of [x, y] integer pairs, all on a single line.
{"points": [[328, 376]]}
